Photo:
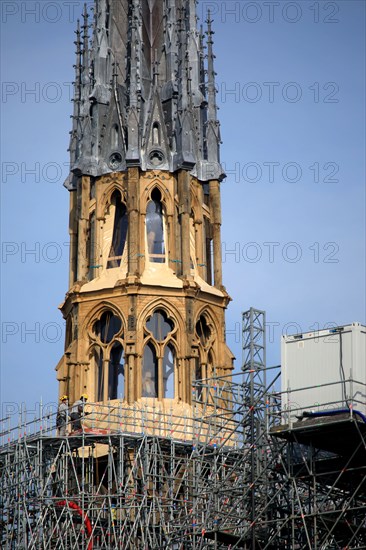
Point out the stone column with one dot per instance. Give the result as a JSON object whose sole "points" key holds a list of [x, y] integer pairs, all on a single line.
{"points": [[82, 271], [185, 211], [73, 232], [134, 237], [215, 205]]}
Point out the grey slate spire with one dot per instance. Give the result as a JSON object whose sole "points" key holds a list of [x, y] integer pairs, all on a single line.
{"points": [[144, 92], [213, 126], [75, 132]]}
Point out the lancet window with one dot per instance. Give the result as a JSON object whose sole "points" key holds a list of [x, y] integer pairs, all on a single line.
{"points": [[204, 364], [155, 228], [120, 226], [159, 358], [107, 355]]}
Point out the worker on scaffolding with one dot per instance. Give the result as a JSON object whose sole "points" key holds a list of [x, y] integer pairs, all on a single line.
{"points": [[77, 412], [62, 416]]}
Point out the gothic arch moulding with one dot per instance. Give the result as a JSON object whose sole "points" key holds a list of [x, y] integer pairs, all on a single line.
{"points": [[159, 356], [106, 352], [96, 313], [207, 334], [166, 197], [106, 198], [211, 318], [164, 305]]}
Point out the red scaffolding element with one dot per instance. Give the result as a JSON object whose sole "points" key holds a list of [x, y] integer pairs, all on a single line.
{"points": [[88, 526]]}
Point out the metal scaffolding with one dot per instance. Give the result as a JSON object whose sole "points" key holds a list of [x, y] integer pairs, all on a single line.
{"points": [[237, 475], [286, 485]]}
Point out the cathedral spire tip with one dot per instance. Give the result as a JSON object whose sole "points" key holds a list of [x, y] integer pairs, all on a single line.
{"points": [[147, 51]]}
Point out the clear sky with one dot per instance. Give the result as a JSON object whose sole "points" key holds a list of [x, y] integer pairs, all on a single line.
{"points": [[291, 90]]}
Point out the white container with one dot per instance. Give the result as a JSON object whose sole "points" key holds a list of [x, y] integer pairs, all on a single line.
{"points": [[323, 370]]}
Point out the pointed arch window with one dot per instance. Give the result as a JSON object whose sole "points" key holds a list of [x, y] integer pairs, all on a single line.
{"points": [[159, 359], [204, 364], [120, 227], [150, 376], [155, 228], [108, 357]]}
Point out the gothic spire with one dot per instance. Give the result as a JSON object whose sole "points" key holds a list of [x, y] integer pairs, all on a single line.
{"points": [[74, 134], [211, 84], [146, 59], [86, 67], [213, 126], [134, 84]]}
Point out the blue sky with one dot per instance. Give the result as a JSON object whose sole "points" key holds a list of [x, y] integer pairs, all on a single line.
{"points": [[291, 90]]}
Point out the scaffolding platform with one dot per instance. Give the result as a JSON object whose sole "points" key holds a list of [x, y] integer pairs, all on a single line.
{"points": [[342, 434]]}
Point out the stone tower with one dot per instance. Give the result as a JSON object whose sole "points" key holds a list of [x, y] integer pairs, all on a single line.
{"points": [[145, 307]]}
